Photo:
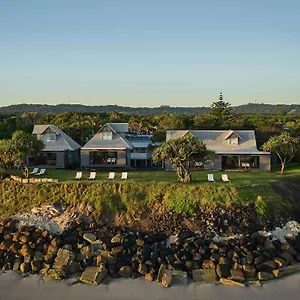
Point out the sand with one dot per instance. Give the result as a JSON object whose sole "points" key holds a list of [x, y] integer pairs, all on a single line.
{"points": [[13, 286]]}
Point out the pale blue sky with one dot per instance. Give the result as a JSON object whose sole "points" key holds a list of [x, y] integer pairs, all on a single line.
{"points": [[149, 52]]}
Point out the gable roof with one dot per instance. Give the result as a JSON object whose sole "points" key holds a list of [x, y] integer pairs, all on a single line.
{"points": [[61, 144], [119, 127], [216, 140], [117, 142]]}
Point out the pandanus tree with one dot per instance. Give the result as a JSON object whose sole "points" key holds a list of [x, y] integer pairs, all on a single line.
{"points": [[182, 153], [285, 146]]}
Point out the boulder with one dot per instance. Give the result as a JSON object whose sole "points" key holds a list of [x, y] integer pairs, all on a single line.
{"points": [[149, 276], [280, 262], [125, 271], [249, 271], [94, 275], [284, 271], [237, 274], [223, 270], [166, 280], [117, 239], [179, 277], [89, 237], [161, 271], [231, 282], [208, 264], [264, 276], [204, 275]]}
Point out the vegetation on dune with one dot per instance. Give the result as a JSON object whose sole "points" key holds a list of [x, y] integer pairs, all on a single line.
{"points": [[135, 197]]}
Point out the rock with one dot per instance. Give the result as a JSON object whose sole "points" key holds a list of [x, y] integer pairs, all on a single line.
{"points": [[268, 245], [161, 271], [26, 251], [204, 275], [52, 250], [264, 276], [117, 239], [87, 252], [125, 271], [94, 275], [231, 282], [143, 269], [25, 267], [149, 276], [284, 271], [16, 266], [36, 266], [280, 262], [208, 264], [237, 274], [89, 237], [223, 270], [140, 242], [166, 280], [62, 263], [287, 257], [249, 271], [179, 277], [267, 266], [253, 283]]}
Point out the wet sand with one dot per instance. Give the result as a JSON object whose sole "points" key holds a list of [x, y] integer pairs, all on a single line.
{"points": [[14, 287]]}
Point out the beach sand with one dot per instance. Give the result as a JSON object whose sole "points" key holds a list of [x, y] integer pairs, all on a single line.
{"points": [[13, 286]]}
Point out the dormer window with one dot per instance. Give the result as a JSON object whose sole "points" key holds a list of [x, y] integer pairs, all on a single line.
{"points": [[106, 135], [233, 140], [50, 137]]}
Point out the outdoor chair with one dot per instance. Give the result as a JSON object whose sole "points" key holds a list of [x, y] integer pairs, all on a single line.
{"points": [[210, 177], [41, 172], [111, 175], [225, 178], [124, 175], [34, 171], [78, 175], [92, 175]]}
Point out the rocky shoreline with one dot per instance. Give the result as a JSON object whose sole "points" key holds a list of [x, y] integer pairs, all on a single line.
{"points": [[95, 253]]}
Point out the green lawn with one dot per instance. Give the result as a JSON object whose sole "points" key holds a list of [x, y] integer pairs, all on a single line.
{"points": [[238, 178]]}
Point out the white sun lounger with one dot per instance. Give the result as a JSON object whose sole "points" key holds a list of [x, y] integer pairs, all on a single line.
{"points": [[78, 175], [210, 177], [34, 171], [92, 175], [124, 175], [41, 172], [111, 175], [225, 178]]}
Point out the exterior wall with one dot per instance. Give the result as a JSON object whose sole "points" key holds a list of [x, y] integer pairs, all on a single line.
{"points": [[85, 160], [265, 162], [214, 165]]}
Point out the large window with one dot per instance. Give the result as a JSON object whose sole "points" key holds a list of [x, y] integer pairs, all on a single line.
{"points": [[106, 135], [101, 157]]}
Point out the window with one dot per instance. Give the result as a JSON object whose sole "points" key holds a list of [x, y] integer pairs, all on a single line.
{"points": [[233, 141], [139, 150], [106, 135], [101, 157], [50, 137]]}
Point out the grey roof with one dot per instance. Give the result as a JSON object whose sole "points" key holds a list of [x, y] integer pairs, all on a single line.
{"points": [[63, 141], [117, 142], [118, 127], [216, 140]]}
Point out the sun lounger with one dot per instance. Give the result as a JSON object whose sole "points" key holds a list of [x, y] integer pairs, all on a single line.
{"points": [[92, 175], [78, 175], [41, 172], [124, 175], [210, 177], [34, 171], [111, 175], [225, 178]]}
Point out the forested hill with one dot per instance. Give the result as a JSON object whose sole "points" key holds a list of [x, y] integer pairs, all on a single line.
{"points": [[54, 109]]}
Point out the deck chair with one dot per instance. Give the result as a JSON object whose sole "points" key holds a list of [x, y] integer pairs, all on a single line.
{"points": [[34, 171], [225, 178], [78, 175], [92, 175], [124, 175], [41, 172], [210, 177], [111, 175]]}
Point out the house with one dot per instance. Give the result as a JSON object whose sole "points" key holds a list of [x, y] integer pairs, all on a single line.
{"points": [[113, 146], [60, 151], [236, 149]]}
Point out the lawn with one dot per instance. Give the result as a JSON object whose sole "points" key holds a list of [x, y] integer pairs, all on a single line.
{"points": [[238, 178]]}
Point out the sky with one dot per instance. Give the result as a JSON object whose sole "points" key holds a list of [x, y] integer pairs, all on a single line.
{"points": [[149, 52]]}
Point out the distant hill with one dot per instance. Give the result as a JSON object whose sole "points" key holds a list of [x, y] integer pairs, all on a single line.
{"points": [[54, 109]]}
